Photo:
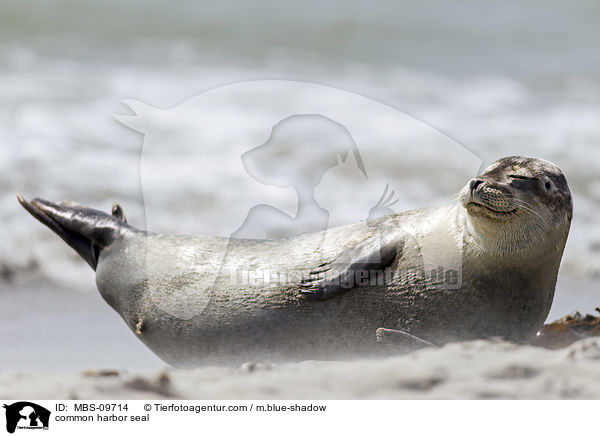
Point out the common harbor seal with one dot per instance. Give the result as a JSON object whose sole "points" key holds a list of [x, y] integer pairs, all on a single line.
{"points": [[509, 227]]}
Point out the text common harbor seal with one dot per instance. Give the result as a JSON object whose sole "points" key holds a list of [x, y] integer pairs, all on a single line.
{"points": [[510, 226]]}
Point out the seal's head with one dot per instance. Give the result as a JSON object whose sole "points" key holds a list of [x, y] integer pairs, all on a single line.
{"points": [[518, 204]]}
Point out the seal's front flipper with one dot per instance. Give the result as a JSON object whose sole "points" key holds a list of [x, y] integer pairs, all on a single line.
{"points": [[355, 266], [401, 340]]}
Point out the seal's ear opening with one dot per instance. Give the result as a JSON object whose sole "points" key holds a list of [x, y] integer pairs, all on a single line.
{"points": [[84, 229]]}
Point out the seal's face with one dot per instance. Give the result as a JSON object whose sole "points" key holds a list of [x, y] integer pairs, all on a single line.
{"points": [[517, 202]]}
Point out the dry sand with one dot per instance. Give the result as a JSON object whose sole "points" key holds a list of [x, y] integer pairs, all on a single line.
{"points": [[473, 370]]}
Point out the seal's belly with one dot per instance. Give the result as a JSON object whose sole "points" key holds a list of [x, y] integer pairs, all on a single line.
{"points": [[341, 327]]}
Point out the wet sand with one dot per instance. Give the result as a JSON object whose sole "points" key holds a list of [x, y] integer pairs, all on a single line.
{"points": [[46, 328]]}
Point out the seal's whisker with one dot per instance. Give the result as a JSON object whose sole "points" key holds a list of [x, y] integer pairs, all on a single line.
{"points": [[525, 205]]}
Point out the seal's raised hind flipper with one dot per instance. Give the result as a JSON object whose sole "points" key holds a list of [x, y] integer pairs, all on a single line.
{"points": [[86, 230], [355, 266]]}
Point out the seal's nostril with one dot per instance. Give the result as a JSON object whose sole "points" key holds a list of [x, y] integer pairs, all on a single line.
{"points": [[475, 183]]}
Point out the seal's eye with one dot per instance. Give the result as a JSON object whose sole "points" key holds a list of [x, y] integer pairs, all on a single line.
{"points": [[548, 185], [520, 177]]}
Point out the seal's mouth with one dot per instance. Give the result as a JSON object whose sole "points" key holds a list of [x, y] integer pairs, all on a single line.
{"points": [[476, 206]]}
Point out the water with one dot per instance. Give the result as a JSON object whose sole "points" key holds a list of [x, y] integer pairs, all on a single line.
{"points": [[498, 79]]}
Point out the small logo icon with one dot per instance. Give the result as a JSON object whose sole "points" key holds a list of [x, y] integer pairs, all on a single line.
{"points": [[26, 415]]}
